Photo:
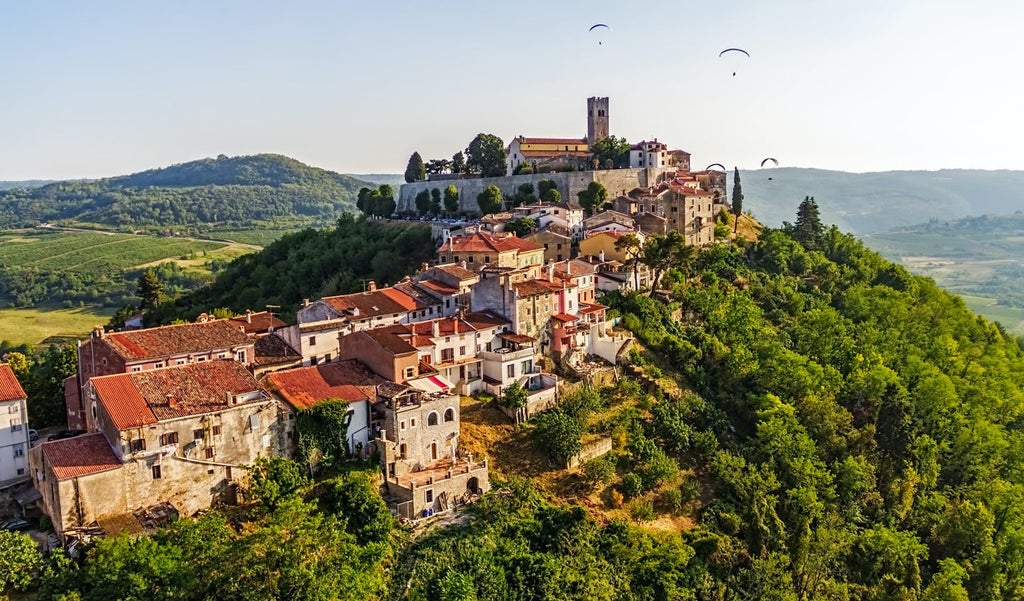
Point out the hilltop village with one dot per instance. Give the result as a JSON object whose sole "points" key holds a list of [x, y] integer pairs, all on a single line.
{"points": [[164, 421]]}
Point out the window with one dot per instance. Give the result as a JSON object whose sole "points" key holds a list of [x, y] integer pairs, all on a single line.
{"points": [[209, 452], [216, 430], [16, 425], [447, 355], [327, 358], [401, 426], [410, 372], [136, 368], [430, 495], [412, 423], [449, 415], [222, 355], [227, 473], [197, 434], [527, 366], [462, 351], [511, 370], [470, 258], [19, 451], [156, 472], [179, 361], [312, 341], [169, 438], [432, 418], [21, 471], [240, 356], [200, 359], [158, 365]]}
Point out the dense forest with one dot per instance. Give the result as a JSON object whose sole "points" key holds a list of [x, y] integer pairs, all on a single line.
{"points": [[195, 197], [847, 431], [310, 264]]}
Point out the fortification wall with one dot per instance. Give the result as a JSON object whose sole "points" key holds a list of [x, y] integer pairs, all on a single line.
{"points": [[617, 181]]}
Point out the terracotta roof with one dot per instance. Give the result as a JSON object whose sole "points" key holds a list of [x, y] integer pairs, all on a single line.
{"points": [[273, 349], [165, 341], [438, 287], [516, 338], [531, 288], [10, 389], [123, 401], [445, 327], [563, 141], [610, 234], [591, 308], [578, 268], [390, 339], [418, 296], [257, 322], [485, 319], [457, 271], [140, 398], [556, 152], [481, 242], [679, 152], [306, 386], [80, 456], [607, 217], [385, 301], [563, 317]]}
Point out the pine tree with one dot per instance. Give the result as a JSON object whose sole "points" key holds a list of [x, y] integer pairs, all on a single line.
{"points": [[416, 171], [150, 289], [808, 228], [737, 199]]}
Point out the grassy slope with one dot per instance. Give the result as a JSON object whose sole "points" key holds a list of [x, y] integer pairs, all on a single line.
{"points": [[36, 326]]}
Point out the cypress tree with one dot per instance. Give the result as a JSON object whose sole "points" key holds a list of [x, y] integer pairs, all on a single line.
{"points": [[737, 199]]}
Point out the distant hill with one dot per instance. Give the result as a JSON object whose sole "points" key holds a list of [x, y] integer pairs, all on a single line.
{"points": [[29, 183], [392, 179], [873, 202], [204, 195]]}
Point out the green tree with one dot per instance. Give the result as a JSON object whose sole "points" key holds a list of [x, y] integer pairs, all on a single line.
{"points": [[559, 434], [552, 196], [524, 195], [544, 188], [486, 155], [514, 396], [737, 198], [490, 200], [611, 152], [594, 196], [423, 201], [435, 202], [631, 246], [150, 289], [415, 171], [451, 200], [362, 199], [663, 252], [808, 228], [275, 479], [521, 226], [356, 497], [19, 561], [437, 166], [458, 163]]}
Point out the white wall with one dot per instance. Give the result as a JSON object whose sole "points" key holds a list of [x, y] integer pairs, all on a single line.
{"points": [[14, 443]]}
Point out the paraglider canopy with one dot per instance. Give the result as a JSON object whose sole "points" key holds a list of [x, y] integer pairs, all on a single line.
{"points": [[769, 160], [599, 26], [736, 50], [716, 165]]}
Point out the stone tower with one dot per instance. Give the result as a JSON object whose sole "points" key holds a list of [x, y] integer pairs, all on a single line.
{"points": [[597, 119]]}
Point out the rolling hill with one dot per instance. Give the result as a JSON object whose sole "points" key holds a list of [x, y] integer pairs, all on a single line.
{"points": [[196, 197], [873, 202]]}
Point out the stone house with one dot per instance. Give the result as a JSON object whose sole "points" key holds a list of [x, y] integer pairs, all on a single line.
{"points": [[14, 439], [556, 246], [608, 221], [686, 208], [602, 244], [491, 250], [257, 323], [651, 223], [179, 434], [546, 154], [564, 217], [107, 353], [305, 387]]}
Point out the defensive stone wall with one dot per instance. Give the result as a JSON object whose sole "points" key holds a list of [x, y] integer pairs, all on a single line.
{"points": [[570, 183]]}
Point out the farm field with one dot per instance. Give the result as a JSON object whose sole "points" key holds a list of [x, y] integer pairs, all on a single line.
{"points": [[1011, 318], [42, 326]]}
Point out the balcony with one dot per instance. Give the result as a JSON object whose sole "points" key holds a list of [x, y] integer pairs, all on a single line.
{"points": [[507, 354]]}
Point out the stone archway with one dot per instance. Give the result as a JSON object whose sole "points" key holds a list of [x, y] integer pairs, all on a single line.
{"points": [[473, 485]]}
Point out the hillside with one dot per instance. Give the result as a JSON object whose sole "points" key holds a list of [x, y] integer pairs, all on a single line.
{"points": [[873, 202], [196, 197]]}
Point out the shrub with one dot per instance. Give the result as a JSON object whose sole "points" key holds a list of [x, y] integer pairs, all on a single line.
{"points": [[599, 471], [614, 499], [673, 499], [632, 485], [642, 510], [689, 490]]}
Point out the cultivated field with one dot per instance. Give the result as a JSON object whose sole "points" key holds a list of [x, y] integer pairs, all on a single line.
{"points": [[43, 326]]}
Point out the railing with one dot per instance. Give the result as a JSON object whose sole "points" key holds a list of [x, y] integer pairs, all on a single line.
{"points": [[506, 354]]}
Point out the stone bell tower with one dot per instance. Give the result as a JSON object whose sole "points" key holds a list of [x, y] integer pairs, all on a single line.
{"points": [[597, 119]]}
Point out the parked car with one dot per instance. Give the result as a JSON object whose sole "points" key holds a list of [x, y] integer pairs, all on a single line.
{"points": [[33, 435], [65, 434], [16, 524]]}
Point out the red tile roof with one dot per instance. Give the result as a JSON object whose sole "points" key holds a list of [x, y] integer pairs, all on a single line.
{"points": [[485, 319], [272, 349], [563, 141], [457, 271], [531, 288], [80, 456], [393, 339], [481, 242], [306, 386], [257, 322], [145, 397], [438, 287], [152, 343], [563, 317], [385, 301], [531, 154], [10, 389]]}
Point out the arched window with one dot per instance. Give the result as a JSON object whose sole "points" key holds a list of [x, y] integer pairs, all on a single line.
{"points": [[432, 418], [449, 415]]}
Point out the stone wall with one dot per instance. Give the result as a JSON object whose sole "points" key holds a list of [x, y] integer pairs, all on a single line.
{"points": [[617, 181], [590, 451]]}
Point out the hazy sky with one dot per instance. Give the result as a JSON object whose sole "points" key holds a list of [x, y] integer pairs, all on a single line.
{"points": [[93, 89]]}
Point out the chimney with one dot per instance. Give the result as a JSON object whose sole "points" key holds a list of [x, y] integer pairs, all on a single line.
{"points": [[371, 286], [551, 272], [568, 267], [172, 402], [229, 398], [424, 266], [305, 302], [463, 264], [435, 328], [97, 332], [601, 256], [248, 316]]}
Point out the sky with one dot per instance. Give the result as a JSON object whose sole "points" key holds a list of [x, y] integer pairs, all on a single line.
{"points": [[97, 89]]}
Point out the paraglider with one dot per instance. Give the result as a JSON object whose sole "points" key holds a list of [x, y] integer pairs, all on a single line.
{"points": [[769, 160], [738, 50], [599, 26], [708, 168]]}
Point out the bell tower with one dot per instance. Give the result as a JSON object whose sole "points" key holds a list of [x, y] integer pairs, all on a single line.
{"points": [[597, 119]]}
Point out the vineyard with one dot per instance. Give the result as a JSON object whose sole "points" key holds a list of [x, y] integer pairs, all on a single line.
{"points": [[76, 268]]}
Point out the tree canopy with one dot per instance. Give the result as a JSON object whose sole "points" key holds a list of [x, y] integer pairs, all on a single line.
{"points": [[490, 200], [611, 152], [415, 170], [486, 155]]}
